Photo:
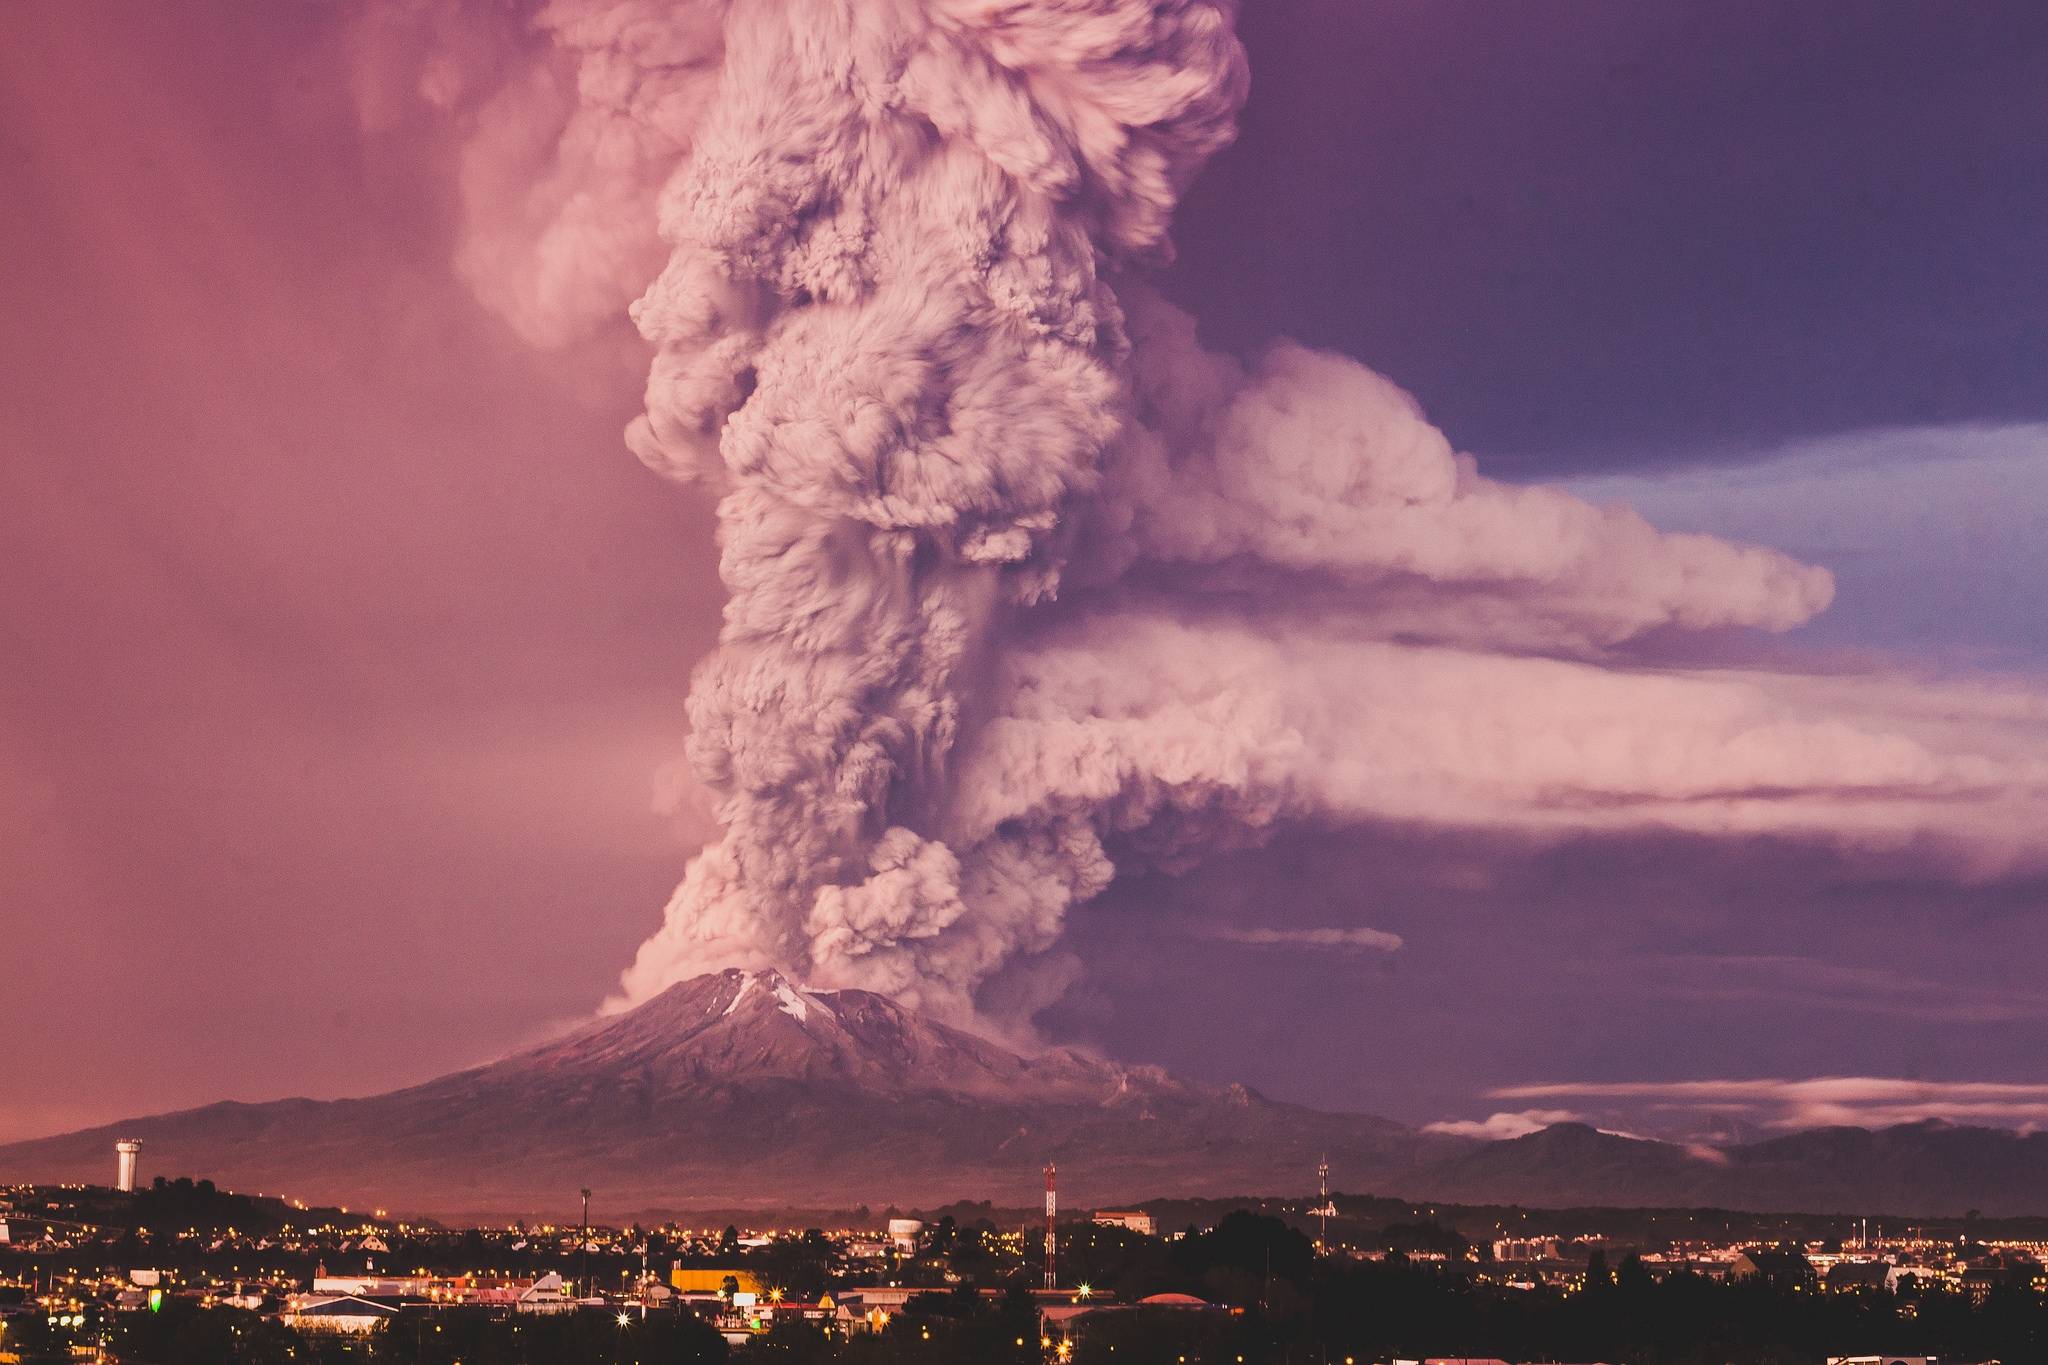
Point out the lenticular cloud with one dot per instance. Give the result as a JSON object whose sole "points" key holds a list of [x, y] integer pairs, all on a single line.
{"points": [[1027, 587]]}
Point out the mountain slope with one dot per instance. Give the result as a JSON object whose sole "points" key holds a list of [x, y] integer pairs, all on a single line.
{"points": [[742, 1089], [739, 1090], [1927, 1169]]}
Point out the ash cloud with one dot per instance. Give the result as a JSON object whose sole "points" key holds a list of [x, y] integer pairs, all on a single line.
{"points": [[1028, 588]]}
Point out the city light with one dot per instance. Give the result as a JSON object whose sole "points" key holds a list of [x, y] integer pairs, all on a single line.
{"points": [[863, 1286]]}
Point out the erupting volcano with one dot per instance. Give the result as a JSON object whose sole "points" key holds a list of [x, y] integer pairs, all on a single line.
{"points": [[746, 1090]]}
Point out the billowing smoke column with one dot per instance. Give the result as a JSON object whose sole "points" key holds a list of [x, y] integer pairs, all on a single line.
{"points": [[886, 327], [1026, 586]]}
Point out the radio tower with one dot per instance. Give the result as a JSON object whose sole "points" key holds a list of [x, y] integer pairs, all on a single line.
{"points": [[1323, 1209], [1051, 1243]]}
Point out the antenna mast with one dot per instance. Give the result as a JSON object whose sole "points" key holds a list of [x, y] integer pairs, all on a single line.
{"points": [[1323, 1210], [1326, 1210]]}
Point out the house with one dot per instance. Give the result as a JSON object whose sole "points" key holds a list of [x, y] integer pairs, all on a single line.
{"points": [[1785, 1269], [340, 1313], [1132, 1220], [365, 1286], [548, 1294], [690, 1280], [1982, 1274], [870, 1308], [1849, 1277]]}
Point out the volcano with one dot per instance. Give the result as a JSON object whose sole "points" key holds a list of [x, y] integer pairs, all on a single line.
{"points": [[740, 1090], [745, 1090]]}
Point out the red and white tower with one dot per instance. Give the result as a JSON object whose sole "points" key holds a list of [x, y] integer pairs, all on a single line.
{"points": [[1051, 1244], [1323, 1209]]}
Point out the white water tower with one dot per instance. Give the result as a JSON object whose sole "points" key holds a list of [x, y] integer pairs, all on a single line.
{"points": [[125, 1152]]}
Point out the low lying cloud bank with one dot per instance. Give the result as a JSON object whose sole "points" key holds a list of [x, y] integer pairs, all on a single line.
{"points": [[1505, 1126], [1824, 1101]]}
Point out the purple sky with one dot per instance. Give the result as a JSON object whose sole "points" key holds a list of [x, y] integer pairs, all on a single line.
{"points": [[346, 640]]}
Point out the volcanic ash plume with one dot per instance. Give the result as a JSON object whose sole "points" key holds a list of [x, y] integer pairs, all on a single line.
{"points": [[1025, 585], [884, 328]]}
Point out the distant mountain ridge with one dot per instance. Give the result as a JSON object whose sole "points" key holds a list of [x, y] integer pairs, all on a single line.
{"points": [[745, 1089], [1928, 1169]]}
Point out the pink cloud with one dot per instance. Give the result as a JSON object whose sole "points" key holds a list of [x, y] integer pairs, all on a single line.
{"points": [[1355, 938]]}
